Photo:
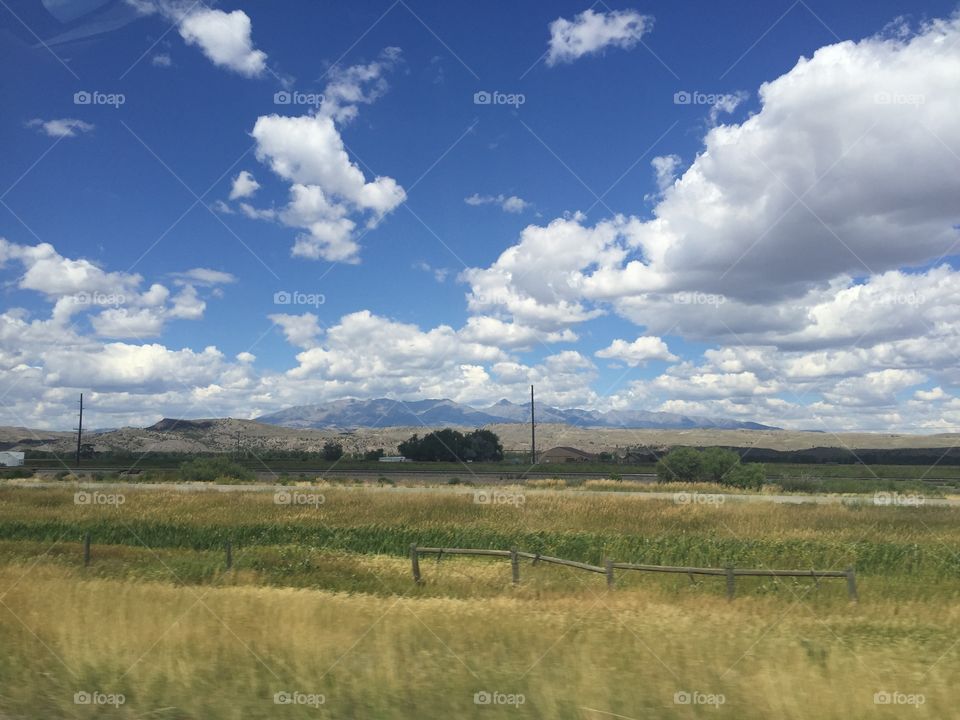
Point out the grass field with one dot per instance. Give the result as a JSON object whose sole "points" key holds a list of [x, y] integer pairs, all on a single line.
{"points": [[320, 602]]}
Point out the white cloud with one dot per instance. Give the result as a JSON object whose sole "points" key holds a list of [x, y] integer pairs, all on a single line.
{"points": [[590, 32], [507, 203], [161, 60], [300, 330], [62, 127], [665, 170], [225, 39], [326, 186], [357, 84], [637, 352], [244, 185], [204, 276]]}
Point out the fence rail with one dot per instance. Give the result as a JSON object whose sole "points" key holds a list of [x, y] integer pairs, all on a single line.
{"points": [[730, 573]]}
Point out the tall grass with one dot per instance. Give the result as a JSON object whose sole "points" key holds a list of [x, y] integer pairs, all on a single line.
{"points": [[222, 653]]}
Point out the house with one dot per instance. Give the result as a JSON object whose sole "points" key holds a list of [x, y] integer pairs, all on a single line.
{"points": [[565, 454], [8, 458]]}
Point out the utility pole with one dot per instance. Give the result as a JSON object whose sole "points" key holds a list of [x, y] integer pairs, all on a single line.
{"points": [[79, 429], [533, 431]]}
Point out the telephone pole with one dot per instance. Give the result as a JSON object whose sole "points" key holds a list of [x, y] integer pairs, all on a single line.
{"points": [[533, 431], [79, 429]]}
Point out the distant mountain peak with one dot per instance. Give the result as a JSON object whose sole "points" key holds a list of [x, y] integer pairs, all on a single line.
{"points": [[384, 412]]}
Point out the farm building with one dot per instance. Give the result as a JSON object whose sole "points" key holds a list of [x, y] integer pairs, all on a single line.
{"points": [[9, 458], [565, 454]]}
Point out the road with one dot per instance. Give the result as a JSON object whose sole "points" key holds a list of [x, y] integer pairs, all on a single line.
{"points": [[679, 498]]}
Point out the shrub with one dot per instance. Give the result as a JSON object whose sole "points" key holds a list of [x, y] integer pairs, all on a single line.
{"points": [[210, 469], [19, 472], [332, 450], [717, 463], [749, 475], [681, 464]]}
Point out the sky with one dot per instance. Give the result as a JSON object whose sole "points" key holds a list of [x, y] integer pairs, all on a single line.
{"points": [[743, 210]]}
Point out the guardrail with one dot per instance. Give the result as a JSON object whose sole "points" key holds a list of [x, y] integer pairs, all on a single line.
{"points": [[730, 573]]}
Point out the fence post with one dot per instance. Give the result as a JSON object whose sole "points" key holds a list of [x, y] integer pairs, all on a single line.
{"points": [[515, 565], [731, 579], [415, 562], [609, 566], [228, 548], [852, 585], [86, 549]]}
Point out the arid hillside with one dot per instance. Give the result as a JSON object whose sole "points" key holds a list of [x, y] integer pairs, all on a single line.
{"points": [[222, 435]]}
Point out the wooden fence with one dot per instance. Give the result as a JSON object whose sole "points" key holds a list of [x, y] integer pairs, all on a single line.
{"points": [[730, 573]]}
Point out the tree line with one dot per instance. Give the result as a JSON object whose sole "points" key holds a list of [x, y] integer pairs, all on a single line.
{"points": [[453, 446]]}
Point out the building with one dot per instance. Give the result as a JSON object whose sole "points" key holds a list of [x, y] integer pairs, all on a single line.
{"points": [[565, 454], [8, 458], [393, 458]]}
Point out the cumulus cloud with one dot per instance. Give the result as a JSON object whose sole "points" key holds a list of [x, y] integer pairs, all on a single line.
{"points": [[637, 352], [327, 187], [244, 185], [591, 32], [62, 127], [300, 330], [225, 38]]}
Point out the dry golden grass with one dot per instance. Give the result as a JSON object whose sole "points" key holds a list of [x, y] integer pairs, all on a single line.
{"points": [[211, 653]]}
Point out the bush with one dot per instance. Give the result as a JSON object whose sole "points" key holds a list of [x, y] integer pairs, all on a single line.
{"points": [[749, 475], [332, 450], [717, 463], [681, 464], [18, 472], [205, 469]]}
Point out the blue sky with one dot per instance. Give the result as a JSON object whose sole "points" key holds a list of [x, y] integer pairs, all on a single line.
{"points": [[726, 287]]}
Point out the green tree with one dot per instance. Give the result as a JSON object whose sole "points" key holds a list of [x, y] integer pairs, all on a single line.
{"points": [[681, 464], [332, 450], [746, 475], [717, 463]]}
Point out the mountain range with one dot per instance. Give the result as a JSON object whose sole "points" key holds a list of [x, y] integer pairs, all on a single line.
{"points": [[382, 412]]}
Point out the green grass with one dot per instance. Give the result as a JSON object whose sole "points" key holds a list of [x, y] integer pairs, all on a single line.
{"points": [[909, 545]]}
